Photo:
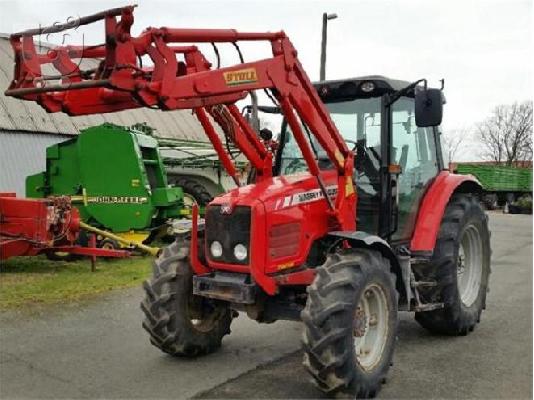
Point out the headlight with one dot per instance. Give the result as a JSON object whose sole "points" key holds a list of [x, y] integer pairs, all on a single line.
{"points": [[216, 249], [367, 87], [240, 252]]}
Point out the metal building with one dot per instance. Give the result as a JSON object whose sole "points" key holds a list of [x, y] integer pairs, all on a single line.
{"points": [[26, 129]]}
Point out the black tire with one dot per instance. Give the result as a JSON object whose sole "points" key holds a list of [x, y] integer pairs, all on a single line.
{"points": [[61, 256], [491, 201], [195, 190], [456, 318], [109, 244], [329, 323], [83, 240], [170, 307]]}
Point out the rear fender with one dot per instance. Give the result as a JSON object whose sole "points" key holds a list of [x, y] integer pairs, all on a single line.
{"points": [[359, 239], [433, 207]]}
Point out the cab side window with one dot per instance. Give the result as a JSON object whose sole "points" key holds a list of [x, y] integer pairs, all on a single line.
{"points": [[414, 149]]}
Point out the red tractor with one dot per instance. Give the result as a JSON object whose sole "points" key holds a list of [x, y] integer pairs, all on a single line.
{"points": [[352, 219]]}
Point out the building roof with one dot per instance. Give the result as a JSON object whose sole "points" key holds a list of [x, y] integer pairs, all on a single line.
{"points": [[28, 116]]}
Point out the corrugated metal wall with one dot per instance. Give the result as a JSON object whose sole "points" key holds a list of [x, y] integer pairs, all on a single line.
{"points": [[19, 115], [26, 129], [23, 154]]}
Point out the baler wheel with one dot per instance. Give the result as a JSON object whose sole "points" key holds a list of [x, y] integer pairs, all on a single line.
{"points": [[460, 266], [178, 322], [195, 190], [61, 256], [350, 323], [109, 244]]}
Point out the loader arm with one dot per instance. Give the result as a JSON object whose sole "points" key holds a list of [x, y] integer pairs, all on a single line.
{"points": [[120, 82]]}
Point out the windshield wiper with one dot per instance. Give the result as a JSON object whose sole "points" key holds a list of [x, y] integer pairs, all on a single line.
{"points": [[399, 93]]}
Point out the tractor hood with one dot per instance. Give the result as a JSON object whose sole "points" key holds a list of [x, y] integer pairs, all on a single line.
{"points": [[280, 191], [276, 220]]}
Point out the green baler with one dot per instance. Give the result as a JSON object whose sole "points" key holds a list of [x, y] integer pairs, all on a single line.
{"points": [[501, 184], [116, 178]]}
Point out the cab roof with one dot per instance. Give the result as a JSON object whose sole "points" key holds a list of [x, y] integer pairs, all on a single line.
{"points": [[348, 89]]}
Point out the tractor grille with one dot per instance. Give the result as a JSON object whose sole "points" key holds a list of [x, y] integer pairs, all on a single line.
{"points": [[228, 229]]}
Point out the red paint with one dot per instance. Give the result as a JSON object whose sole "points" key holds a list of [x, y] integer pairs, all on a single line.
{"points": [[301, 277], [28, 226], [196, 264], [433, 207], [91, 251]]}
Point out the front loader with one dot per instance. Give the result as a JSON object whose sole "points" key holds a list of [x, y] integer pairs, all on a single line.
{"points": [[351, 219]]}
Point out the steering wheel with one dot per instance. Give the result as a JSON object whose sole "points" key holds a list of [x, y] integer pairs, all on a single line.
{"points": [[293, 166], [359, 148], [367, 162], [353, 142]]}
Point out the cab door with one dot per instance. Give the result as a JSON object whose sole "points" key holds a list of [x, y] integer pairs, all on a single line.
{"points": [[414, 156]]}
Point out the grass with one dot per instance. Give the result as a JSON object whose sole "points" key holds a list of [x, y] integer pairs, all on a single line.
{"points": [[26, 281]]}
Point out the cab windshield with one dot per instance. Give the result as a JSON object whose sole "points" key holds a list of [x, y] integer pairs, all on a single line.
{"points": [[358, 121], [411, 148]]}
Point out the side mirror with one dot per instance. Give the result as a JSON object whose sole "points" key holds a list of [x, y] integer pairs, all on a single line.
{"points": [[428, 107]]}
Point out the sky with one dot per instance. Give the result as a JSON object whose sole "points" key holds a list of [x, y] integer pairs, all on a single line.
{"points": [[482, 48]]}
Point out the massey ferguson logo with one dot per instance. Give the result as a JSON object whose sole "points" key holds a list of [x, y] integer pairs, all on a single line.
{"points": [[226, 209], [240, 77], [305, 197]]}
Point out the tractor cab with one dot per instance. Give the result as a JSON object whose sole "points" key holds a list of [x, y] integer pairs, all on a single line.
{"points": [[395, 159]]}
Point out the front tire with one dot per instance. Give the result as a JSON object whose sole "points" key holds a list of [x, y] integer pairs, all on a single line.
{"points": [[178, 322], [460, 267], [350, 323]]}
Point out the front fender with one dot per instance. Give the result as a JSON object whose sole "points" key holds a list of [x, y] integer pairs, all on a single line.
{"points": [[366, 240], [433, 207]]}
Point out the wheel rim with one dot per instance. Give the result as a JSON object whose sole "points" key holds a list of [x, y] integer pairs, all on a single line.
{"points": [[469, 267], [189, 200], [370, 329]]}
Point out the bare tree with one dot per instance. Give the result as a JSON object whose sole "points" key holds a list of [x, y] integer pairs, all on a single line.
{"points": [[451, 141], [506, 135]]}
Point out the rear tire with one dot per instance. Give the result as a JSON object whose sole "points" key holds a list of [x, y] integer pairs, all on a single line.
{"points": [[178, 322], [460, 266], [347, 353]]}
